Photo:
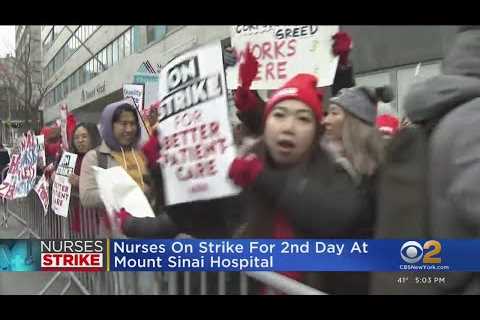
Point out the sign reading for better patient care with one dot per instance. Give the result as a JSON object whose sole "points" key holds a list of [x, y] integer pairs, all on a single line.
{"points": [[61, 186], [196, 137]]}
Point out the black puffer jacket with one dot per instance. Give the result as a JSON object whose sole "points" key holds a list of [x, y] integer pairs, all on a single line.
{"points": [[319, 200]]}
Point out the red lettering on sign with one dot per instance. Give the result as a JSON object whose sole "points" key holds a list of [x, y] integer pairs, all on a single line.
{"points": [[281, 70], [292, 46], [269, 71], [266, 47], [196, 171]]}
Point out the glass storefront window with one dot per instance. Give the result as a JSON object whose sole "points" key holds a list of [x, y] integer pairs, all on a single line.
{"points": [[66, 84], [378, 80], [104, 58], [121, 47], [406, 78], [115, 52], [155, 33], [127, 42]]}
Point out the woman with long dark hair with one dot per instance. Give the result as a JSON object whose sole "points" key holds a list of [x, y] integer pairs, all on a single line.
{"points": [[85, 137]]}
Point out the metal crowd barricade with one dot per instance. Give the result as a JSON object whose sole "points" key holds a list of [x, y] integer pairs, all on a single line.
{"points": [[4, 221], [83, 223]]}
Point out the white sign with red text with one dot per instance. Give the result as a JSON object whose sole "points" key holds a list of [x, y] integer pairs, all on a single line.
{"points": [[61, 186], [283, 52], [42, 190], [22, 171], [196, 136]]}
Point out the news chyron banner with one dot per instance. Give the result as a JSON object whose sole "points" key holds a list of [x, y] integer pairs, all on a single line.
{"points": [[53, 255], [240, 255]]}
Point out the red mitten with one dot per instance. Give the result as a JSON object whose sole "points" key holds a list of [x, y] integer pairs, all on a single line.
{"points": [[245, 170], [122, 216], [53, 149], [248, 69], [151, 150], [71, 124], [245, 100], [341, 46]]}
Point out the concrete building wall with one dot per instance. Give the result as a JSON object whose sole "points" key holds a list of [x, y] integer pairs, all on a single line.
{"points": [[178, 39], [381, 55], [380, 47]]}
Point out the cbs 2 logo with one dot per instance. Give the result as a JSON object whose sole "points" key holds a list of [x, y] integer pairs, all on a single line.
{"points": [[412, 252]]}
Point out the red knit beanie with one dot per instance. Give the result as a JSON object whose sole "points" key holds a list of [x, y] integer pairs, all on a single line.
{"points": [[387, 124], [302, 87]]}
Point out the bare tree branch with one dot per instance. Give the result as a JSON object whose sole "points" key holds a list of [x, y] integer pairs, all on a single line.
{"points": [[19, 78]]}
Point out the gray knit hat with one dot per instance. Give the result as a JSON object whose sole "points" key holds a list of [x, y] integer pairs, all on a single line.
{"points": [[361, 102]]}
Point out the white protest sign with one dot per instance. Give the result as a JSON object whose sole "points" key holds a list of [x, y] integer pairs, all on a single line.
{"points": [[283, 52], [61, 187], [42, 161], [118, 190], [136, 92], [22, 171], [7, 188], [196, 142], [42, 191], [63, 125]]}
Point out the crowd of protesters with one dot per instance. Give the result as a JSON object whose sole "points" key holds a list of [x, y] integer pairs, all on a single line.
{"points": [[311, 167]]}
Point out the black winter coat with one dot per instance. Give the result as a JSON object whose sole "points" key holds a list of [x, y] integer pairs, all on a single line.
{"points": [[319, 200]]}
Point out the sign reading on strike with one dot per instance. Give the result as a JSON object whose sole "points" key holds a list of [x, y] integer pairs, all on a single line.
{"points": [[196, 137]]}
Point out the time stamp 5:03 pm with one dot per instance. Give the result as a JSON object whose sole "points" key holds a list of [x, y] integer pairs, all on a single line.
{"points": [[422, 280]]}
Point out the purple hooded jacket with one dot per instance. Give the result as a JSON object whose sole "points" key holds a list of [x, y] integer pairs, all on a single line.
{"points": [[106, 125]]}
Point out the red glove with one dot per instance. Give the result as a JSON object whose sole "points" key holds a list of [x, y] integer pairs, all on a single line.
{"points": [[122, 216], [341, 46], [71, 124], [151, 150], [245, 170], [245, 100]]}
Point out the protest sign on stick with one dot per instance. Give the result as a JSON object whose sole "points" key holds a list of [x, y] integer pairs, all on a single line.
{"points": [[42, 190], [196, 136], [22, 170], [62, 188], [136, 92]]}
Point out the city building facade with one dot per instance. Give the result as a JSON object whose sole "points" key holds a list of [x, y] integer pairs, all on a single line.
{"points": [[85, 67]]}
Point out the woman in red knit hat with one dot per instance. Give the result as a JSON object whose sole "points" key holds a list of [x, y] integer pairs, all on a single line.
{"points": [[387, 125], [293, 188]]}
